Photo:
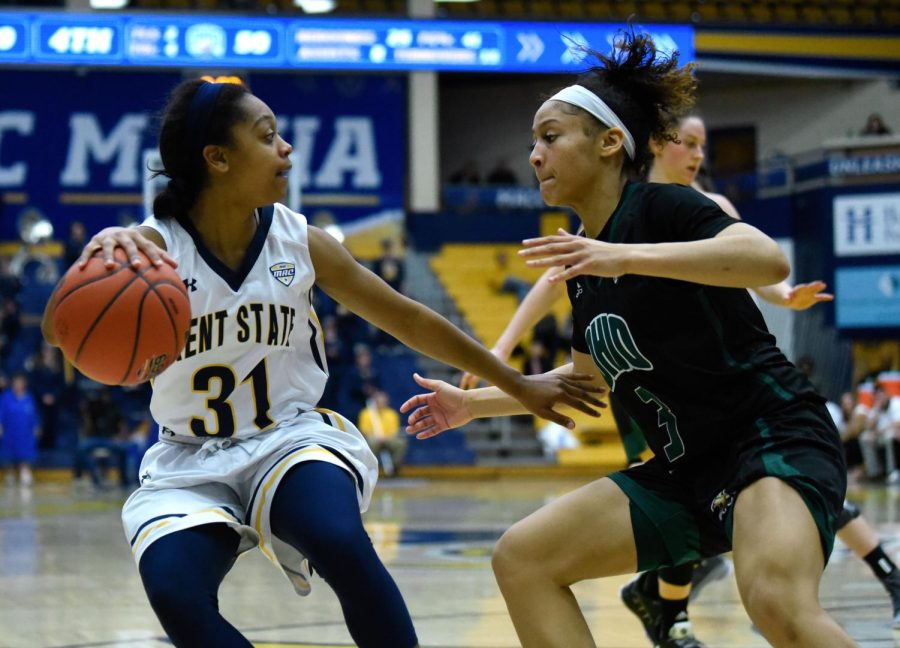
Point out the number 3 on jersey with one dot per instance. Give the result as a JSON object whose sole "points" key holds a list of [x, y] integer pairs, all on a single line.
{"points": [[666, 418], [222, 380]]}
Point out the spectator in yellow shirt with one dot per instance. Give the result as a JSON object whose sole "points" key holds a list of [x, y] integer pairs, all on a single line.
{"points": [[380, 424]]}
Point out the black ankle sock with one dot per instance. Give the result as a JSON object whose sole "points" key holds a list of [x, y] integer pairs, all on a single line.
{"points": [[881, 565], [672, 611], [649, 584]]}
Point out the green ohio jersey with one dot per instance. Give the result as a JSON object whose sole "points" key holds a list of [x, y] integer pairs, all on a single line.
{"points": [[691, 364]]}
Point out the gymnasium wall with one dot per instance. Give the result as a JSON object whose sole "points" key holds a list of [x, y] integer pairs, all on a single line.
{"points": [[486, 119]]}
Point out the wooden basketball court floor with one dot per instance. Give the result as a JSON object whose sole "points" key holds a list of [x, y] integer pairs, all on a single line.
{"points": [[67, 578]]}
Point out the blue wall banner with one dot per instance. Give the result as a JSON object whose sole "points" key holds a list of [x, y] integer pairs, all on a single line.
{"points": [[249, 42], [868, 297], [77, 145]]}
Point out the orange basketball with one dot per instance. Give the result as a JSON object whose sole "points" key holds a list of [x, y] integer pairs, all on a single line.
{"points": [[121, 326]]}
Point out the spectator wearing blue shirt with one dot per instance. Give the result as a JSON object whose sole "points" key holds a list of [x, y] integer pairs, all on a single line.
{"points": [[20, 428]]}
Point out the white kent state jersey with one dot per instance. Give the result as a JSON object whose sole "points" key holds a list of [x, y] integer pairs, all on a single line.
{"points": [[254, 358]]}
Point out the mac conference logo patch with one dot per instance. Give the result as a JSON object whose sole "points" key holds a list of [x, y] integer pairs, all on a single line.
{"points": [[284, 272]]}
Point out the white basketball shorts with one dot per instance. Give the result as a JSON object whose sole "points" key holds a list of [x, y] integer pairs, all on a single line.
{"points": [[234, 480]]}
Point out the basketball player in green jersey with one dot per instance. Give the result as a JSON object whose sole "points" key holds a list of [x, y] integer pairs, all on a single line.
{"points": [[746, 455]]}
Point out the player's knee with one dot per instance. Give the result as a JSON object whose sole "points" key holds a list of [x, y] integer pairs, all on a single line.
{"points": [[510, 559], [776, 603], [340, 551]]}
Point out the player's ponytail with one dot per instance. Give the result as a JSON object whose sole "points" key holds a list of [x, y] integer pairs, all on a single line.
{"points": [[645, 88], [198, 113]]}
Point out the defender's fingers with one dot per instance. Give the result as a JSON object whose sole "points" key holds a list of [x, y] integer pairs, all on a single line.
{"points": [[581, 406], [561, 419], [415, 401], [583, 396]]}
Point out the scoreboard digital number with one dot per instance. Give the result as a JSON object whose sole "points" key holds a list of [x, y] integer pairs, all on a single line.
{"points": [[74, 41], [170, 40]]}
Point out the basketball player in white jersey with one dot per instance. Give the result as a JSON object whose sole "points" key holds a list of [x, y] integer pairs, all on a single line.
{"points": [[245, 458]]}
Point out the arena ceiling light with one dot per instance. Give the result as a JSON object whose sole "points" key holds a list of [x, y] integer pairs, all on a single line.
{"points": [[316, 6], [109, 4]]}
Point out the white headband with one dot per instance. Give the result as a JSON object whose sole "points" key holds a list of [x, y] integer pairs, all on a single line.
{"points": [[585, 99]]}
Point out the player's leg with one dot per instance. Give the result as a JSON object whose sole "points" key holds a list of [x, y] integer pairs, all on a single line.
{"points": [[584, 534], [181, 573], [315, 510], [778, 561], [856, 533]]}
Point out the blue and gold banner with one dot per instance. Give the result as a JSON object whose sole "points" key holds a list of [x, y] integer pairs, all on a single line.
{"points": [[79, 145]]}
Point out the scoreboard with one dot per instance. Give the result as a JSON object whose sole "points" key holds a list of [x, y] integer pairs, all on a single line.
{"points": [[249, 42]]}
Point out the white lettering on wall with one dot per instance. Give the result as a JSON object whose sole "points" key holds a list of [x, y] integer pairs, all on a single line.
{"points": [[22, 123], [867, 224], [88, 143], [352, 151], [305, 129]]}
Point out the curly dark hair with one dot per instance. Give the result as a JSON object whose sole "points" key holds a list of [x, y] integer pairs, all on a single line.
{"points": [[645, 88]]}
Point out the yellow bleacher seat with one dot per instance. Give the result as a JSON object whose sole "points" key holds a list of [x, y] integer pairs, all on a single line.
{"points": [[653, 11], [469, 274], [680, 10], [599, 10]]}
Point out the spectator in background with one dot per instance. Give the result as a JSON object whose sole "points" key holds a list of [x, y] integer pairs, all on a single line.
{"points": [[20, 429], [103, 434], [875, 126], [538, 360], [9, 281], [882, 427], [10, 327], [361, 381], [850, 420], [39, 274], [466, 175], [506, 282], [75, 243], [389, 266], [48, 384], [337, 358], [380, 424], [502, 174]]}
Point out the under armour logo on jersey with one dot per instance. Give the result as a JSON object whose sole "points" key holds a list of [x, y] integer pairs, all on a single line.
{"points": [[578, 289], [190, 284], [145, 477], [284, 272], [613, 348]]}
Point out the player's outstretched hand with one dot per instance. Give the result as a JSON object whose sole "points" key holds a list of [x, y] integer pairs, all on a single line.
{"points": [[803, 296], [446, 406], [443, 408], [544, 392], [130, 240], [579, 256]]}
